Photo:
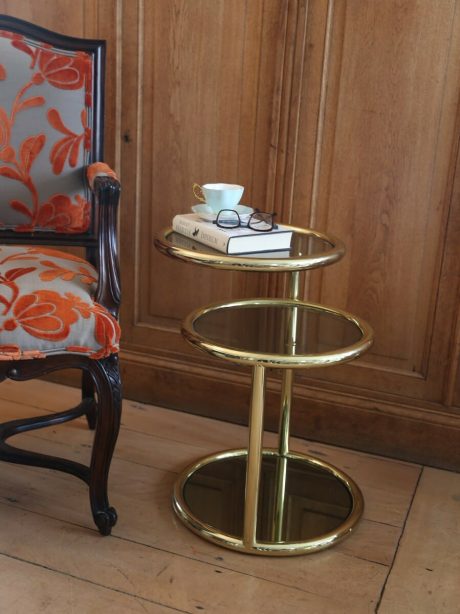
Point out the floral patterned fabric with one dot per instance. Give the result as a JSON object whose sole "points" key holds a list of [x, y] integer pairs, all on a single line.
{"points": [[45, 136], [46, 306]]}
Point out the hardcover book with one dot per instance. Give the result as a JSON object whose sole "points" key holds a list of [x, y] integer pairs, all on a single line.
{"points": [[241, 240]]}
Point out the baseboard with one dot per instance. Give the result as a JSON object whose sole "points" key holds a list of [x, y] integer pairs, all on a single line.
{"points": [[411, 433]]}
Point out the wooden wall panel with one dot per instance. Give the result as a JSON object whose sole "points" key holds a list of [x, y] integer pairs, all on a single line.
{"points": [[389, 169], [70, 17], [385, 144], [339, 115], [66, 16], [209, 72]]}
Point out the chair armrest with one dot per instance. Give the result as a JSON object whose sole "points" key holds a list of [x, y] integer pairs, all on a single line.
{"points": [[104, 183]]}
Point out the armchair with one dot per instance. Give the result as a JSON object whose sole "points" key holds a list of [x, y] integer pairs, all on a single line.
{"points": [[58, 310]]}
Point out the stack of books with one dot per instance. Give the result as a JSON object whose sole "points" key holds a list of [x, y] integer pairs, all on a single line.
{"points": [[241, 240]]}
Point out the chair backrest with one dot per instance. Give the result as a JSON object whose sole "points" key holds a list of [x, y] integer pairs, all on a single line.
{"points": [[51, 128]]}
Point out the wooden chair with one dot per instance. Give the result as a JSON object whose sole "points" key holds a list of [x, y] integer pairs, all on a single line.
{"points": [[57, 310]]}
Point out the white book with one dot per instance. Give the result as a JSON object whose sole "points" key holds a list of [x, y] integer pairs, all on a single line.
{"points": [[241, 240]]}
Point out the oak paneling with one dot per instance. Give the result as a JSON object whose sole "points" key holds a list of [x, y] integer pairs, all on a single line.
{"points": [[350, 126], [209, 74], [67, 16], [389, 133], [71, 17], [336, 114]]}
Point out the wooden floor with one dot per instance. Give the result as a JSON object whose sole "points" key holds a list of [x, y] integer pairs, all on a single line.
{"points": [[403, 558]]}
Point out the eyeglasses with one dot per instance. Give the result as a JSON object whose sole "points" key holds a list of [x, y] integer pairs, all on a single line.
{"points": [[259, 220]]}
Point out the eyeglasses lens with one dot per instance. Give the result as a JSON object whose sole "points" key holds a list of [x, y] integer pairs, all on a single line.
{"points": [[261, 221], [228, 219]]}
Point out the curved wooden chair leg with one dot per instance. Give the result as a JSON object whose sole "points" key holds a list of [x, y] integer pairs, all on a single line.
{"points": [[12, 454], [106, 377], [88, 397]]}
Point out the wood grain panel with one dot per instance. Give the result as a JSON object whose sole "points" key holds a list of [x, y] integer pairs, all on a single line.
{"points": [[200, 140], [362, 139], [336, 114], [388, 169], [209, 75], [66, 16], [383, 179]]}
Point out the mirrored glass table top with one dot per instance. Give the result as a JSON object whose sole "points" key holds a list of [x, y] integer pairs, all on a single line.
{"points": [[277, 332], [304, 504], [309, 249], [317, 504]]}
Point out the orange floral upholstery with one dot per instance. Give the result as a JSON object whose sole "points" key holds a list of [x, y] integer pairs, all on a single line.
{"points": [[58, 311], [46, 306], [45, 136]]}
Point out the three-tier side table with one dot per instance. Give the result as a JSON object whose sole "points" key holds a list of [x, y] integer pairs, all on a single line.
{"points": [[261, 500]]}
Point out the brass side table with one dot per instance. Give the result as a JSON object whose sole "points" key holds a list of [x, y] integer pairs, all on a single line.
{"points": [[267, 501]]}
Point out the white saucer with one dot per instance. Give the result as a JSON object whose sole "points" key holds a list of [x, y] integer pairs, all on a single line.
{"points": [[208, 215]]}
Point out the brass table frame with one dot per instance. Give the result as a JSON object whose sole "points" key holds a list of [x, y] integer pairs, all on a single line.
{"points": [[189, 250], [195, 253], [255, 452]]}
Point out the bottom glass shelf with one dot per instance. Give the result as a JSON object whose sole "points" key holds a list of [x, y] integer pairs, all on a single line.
{"points": [[304, 505]]}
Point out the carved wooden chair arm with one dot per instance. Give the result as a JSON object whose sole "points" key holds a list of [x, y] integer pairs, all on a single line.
{"points": [[105, 185]]}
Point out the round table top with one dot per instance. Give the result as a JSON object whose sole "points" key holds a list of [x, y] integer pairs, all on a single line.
{"points": [[309, 249], [281, 333]]}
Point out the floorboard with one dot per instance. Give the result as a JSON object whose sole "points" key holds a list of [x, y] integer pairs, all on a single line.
{"points": [[426, 572], [53, 560]]}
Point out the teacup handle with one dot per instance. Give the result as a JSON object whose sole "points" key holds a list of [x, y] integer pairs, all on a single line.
{"points": [[198, 192]]}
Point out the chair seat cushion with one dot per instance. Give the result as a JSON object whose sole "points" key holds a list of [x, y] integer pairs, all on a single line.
{"points": [[47, 306]]}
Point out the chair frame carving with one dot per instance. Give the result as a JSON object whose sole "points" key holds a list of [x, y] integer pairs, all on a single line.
{"points": [[101, 385]]}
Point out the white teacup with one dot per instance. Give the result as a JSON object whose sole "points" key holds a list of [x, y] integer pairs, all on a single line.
{"points": [[219, 195]]}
